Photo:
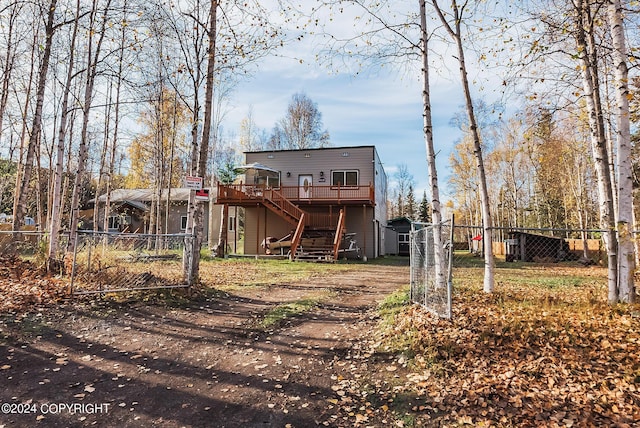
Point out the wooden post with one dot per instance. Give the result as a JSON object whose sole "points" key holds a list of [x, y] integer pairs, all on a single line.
{"points": [[364, 233], [264, 239], [258, 234], [222, 241]]}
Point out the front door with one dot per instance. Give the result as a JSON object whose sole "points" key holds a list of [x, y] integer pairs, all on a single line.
{"points": [[305, 183]]}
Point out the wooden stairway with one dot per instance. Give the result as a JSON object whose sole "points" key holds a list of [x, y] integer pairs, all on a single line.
{"points": [[317, 242], [322, 246], [280, 205], [276, 202]]}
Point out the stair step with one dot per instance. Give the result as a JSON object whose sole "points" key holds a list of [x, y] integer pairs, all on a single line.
{"points": [[316, 257]]}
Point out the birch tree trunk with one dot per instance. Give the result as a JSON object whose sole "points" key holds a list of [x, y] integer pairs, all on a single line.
{"points": [[103, 156], [116, 122], [92, 66], [586, 49], [20, 205], [626, 256], [56, 204], [456, 35], [199, 164], [9, 60], [436, 215]]}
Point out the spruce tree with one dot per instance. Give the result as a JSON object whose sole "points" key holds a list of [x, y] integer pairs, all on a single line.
{"points": [[424, 211]]}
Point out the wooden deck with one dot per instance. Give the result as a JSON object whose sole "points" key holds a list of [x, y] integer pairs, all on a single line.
{"points": [[250, 195]]}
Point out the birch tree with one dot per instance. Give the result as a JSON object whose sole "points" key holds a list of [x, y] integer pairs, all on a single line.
{"points": [[586, 45], [56, 200], [626, 256], [119, 76], [301, 128], [452, 23], [24, 177], [195, 219], [93, 57], [8, 60]]}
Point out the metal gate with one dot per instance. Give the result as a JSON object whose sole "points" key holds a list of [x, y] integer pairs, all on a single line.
{"points": [[431, 268], [118, 262]]}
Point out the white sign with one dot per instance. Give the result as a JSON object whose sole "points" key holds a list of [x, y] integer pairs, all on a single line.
{"points": [[193, 183]]}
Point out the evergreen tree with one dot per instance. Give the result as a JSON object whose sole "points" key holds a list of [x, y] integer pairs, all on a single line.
{"points": [[424, 211], [400, 206], [411, 208]]}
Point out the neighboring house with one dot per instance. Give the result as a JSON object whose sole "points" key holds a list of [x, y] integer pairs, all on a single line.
{"points": [[312, 199], [397, 238], [130, 211]]}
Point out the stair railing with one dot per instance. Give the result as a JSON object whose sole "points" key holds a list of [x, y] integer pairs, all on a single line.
{"points": [[297, 236], [338, 237]]}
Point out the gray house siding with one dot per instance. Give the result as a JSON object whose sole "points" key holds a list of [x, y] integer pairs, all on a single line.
{"points": [[319, 163], [122, 200], [391, 241], [322, 167], [381, 204]]}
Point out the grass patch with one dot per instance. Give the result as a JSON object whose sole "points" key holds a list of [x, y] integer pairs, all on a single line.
{"points": [[391, 310], [230, 274], [280, 313], [394, 303]]}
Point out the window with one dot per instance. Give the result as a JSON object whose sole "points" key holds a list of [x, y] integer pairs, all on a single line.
{"points": [[344, 178], [117, 221], [231, 223], [269, 181], [183, 222], [273, 182], [403, 237], [114, 221]]}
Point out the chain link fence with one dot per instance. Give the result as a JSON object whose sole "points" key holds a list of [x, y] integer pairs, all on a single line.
{"points": [[529, 245], [31, 244], [430, 255], [440, 252], [108, 262]]}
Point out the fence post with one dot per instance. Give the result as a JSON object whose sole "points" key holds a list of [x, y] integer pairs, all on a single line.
{"points": [[450, 268], [73, 266], [412, 261], [190, 258]]}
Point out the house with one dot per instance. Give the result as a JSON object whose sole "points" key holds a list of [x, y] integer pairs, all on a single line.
{"points": [[309, 200], [397, 236], [130, 211]]}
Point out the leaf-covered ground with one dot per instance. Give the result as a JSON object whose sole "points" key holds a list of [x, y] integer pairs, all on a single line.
{"points": [[24, 285], [544, 350]]}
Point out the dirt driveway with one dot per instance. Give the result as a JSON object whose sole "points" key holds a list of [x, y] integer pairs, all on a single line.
{"points": [[205, 363]]}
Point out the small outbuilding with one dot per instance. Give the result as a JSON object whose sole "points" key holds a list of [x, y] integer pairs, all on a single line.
{"points": [[530, 247], [397, 236]]}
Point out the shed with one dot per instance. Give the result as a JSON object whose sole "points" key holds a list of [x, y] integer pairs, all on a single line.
{"points": [[530, 247], [398, 238]]}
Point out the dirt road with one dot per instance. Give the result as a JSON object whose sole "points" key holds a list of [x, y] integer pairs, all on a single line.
{"points": [[210, 362]]}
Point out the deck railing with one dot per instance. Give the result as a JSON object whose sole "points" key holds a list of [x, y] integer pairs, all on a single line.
{"points": [[322, 221], [333, 194]]}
